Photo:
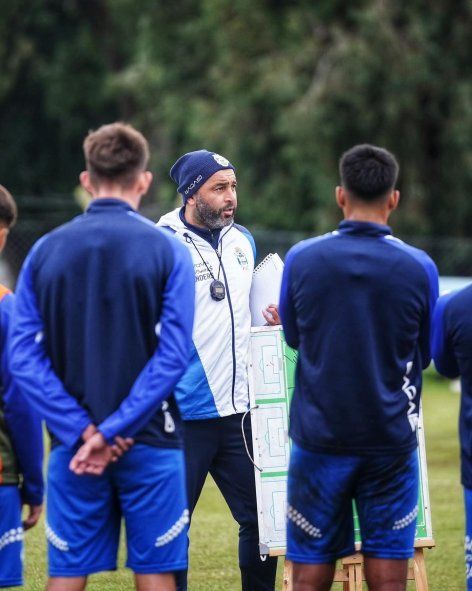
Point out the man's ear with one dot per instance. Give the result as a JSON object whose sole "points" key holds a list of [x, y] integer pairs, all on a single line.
{"points": [[393, 200], [86, 183], [3, 237], [144, 182], [341, 197]]}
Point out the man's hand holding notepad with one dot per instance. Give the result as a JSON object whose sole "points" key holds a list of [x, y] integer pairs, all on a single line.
{"points": [[265, 288]]}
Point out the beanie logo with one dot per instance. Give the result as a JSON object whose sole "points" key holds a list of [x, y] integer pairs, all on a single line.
{"points": [[221, 160], [192, 184]]}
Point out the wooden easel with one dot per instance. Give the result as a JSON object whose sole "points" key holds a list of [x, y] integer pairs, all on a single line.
{"points": [[351, 572]]}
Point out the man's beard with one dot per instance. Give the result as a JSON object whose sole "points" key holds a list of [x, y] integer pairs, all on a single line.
{"points": [[212, 218]]}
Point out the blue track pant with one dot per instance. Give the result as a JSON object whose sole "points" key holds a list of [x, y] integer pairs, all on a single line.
{"points": [[468, 537]]}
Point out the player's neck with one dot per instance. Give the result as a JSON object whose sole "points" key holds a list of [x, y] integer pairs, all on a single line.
{"points": [[367, 215], [129, 198], [375, 211]]}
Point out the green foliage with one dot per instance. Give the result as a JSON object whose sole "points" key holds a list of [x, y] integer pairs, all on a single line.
{"points": [[280, 87]]}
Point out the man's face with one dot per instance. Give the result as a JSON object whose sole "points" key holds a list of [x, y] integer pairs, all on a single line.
{"points": [[216, 201]]}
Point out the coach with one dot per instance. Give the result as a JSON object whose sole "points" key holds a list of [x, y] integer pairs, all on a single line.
{"points": [[213, 393]]}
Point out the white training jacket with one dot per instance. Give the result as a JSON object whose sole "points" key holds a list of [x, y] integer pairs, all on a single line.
{"points": [[215, 383]]}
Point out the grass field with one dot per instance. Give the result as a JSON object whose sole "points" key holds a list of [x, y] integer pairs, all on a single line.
{"points": [[213, 557]]}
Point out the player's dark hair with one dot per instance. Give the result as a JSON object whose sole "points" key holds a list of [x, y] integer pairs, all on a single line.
{"points": [[8, 209], [368, 172], [116, 152]]}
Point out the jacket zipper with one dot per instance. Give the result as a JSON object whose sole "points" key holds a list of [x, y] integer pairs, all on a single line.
{"points": [[233, 346], [233, 343]]}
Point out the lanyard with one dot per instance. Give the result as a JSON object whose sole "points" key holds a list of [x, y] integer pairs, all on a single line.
{"points": [[217, 288]]}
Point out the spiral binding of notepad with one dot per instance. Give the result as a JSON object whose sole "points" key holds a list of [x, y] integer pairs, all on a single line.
{"points": [[264, 262]]}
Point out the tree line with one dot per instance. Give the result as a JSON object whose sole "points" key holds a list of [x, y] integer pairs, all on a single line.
{"points": [[280, 87]]}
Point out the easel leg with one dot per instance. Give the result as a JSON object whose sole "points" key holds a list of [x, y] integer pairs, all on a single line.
{"points": [[352, 566], [287, 582], [351, 571], [355, 574], [419, 570], [358, 577], [347, 584]]}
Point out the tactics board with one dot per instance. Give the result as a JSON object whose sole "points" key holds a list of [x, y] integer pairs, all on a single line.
{"points": [[271, 382]]}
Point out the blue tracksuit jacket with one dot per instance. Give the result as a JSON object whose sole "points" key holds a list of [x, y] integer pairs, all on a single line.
{"points": [[452, 354], [357, 304], [23, 424], [102, 326]]}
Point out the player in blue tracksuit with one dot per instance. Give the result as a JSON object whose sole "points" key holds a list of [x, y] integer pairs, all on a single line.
{"points": [[213, 393], [452, 354], [357, 304], [21, 441], [101, 335]]}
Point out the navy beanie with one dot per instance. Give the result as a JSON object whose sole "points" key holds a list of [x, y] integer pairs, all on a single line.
{"points": [[194, 168]]}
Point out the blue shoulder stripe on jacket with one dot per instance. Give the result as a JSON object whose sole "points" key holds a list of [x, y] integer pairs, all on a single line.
{"points": [[425, 261], [167, 229], [431, 272], [249, 236]]}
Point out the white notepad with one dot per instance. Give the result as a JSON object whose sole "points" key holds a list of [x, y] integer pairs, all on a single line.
{"points": [[265, 287]]}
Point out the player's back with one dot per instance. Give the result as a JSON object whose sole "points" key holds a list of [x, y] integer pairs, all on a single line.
{"points": [[363, 304], [457, 321], [8, 461], [99, 282], [452, 351]]}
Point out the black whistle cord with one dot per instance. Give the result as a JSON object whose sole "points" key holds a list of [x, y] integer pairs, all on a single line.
{"points": [[188, 238]]}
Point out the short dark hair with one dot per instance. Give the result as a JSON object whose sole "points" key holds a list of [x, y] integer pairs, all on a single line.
{"points": [[8, 209], [368, 172], [115, 152]]}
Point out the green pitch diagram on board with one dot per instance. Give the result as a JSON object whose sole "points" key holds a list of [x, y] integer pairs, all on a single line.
{"points": [[272, 366]]}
